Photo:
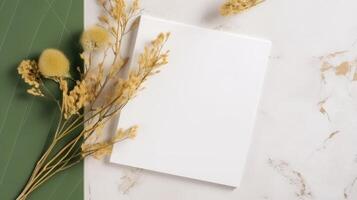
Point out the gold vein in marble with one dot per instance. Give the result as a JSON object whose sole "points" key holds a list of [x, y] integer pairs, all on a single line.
{"points": [[294, 177]]}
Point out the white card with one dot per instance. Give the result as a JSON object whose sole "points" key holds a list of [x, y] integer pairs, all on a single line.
{"points": [[197, 115]]}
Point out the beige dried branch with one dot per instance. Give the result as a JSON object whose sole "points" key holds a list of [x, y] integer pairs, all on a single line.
{"points": [[76, 126]]}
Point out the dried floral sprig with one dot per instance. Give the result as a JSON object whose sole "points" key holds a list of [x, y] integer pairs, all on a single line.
{"points": [[31, 75], [231, 7], [71, 143]]}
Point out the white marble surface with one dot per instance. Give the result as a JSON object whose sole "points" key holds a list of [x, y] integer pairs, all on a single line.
{"points": [[304, 144]]}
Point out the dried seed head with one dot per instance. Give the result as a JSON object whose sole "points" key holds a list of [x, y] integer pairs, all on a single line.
{"points": [[95, 38], [53, 63]]}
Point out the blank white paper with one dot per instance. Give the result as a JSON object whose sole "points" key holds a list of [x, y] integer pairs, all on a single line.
{"points": [[197, 115]]}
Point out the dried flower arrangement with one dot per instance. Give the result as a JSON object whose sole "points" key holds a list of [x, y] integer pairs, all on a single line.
{"points": [[69, 146], [231, 7]]}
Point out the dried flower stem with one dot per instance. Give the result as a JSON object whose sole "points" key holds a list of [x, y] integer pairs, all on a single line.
{"points": [[71, 143]]}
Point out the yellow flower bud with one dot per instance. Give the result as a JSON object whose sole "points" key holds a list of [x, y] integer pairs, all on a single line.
{"points": [[95, 38], [53, 63]]}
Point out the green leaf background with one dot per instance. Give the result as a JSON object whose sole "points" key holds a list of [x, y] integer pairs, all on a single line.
{"points": [[26, 28]]}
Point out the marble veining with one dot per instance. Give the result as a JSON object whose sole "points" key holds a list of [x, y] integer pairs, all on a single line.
{"points": [[304, 142]]}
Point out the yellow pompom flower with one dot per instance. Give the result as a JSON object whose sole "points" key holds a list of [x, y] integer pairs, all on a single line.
{"points": [[95, 38], [53, 63]]}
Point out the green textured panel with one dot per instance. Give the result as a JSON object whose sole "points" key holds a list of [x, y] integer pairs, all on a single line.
{"points": [[26, 28]]}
